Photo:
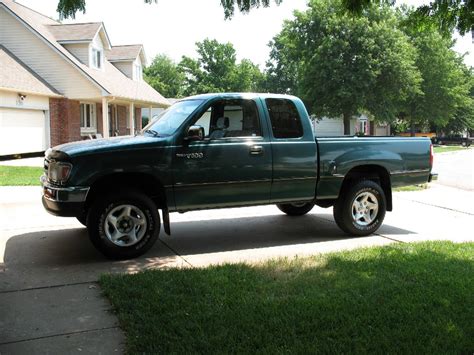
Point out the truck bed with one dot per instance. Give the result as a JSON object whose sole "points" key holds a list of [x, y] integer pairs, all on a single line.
{"points": [[406, 159]]}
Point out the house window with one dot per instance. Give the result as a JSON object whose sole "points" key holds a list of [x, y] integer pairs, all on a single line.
{"points": [[138, 72], [97, 58], [88, 118]]}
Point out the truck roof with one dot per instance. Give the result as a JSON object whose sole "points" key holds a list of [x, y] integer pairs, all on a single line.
{"points": [[236, 95]]}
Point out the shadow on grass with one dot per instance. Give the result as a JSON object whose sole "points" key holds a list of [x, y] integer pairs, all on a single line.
{"points": [[412, 298]]}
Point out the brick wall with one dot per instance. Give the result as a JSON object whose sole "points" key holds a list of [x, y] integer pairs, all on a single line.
{"points": [[65, 121]]}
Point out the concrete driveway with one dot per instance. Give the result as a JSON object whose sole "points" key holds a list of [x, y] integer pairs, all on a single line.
{"points": [[49, 298], [456, 169]]}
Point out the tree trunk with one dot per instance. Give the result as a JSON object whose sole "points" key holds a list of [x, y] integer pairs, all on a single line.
{"points": [[412, 128], [347, 123]]}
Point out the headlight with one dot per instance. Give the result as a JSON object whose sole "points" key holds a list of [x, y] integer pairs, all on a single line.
{"points": [[58, 172]]}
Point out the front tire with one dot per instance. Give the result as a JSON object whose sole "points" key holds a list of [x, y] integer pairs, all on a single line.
{"points": [[295, 209], [123, 225], [82, 219], [360, 210]]}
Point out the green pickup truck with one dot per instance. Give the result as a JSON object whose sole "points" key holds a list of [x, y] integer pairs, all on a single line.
{"points": [[226, 150]]}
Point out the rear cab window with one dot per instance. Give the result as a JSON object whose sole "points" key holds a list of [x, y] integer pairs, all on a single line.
{"points": [[284, 118]]}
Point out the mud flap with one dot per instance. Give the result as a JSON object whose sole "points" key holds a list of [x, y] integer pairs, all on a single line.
{"points": [[166, 220]]}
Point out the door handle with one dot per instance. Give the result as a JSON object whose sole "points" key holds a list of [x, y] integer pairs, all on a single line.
{"points": [[256, 150]]}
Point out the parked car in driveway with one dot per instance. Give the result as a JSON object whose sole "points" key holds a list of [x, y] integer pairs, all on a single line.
{"points": [[452, 140], [226, 150]]}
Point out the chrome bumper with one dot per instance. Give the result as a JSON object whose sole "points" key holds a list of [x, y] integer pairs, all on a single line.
{"points": [[63, 194], [433, 177]]}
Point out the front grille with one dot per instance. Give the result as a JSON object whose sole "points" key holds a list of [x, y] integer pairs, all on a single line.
{"points": [[46, 166]]}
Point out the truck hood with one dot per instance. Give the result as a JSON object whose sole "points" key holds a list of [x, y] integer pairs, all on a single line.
{"points": [[103, 145]]}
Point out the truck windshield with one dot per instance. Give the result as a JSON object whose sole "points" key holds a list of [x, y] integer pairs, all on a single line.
{"points": [[167, 122]]}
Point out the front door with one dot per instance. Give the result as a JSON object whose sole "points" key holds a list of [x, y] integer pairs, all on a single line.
{"points": [[232, 166]]}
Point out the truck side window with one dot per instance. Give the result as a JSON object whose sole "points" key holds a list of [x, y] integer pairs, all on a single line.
{"points": [[231, 118], [286, 122]]}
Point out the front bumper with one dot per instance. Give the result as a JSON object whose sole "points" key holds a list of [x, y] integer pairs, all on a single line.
{"points": [[433, 177], [63, 201]]}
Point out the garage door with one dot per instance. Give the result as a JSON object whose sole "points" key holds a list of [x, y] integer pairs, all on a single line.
{"points": [[22, 131]]}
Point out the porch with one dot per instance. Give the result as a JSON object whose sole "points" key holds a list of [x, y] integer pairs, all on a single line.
{"points": [[73, 120]]}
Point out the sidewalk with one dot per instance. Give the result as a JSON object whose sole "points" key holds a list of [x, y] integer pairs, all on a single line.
{"points": [[49, 297]]}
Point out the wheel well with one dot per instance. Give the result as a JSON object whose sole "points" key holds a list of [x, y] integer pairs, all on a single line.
{"points": [[145, 183], [375, 173]]}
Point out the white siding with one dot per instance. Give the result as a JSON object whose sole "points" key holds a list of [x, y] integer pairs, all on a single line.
{"points": [[43, 59], [80, 50], [97, 44], [329, 127], [381, 131], [137, 62], [125, 67], [11, 99]]}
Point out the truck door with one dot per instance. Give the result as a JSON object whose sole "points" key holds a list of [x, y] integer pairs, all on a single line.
{"points": [[293, 151], [232, 166]]}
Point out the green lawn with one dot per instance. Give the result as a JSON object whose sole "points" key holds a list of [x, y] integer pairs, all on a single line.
{"points": [[19, 175], [445, 149], [404, 298]]}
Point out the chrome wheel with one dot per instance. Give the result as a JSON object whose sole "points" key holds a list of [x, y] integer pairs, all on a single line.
{"points": [[125, 225], [365, 208]]}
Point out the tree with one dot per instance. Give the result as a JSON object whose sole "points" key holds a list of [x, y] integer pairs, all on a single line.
{"points": [[463, 118], [69, 8], [248, 77], [346, 65], [448, 14], [165, 76], [443, 89], [216, 70]]}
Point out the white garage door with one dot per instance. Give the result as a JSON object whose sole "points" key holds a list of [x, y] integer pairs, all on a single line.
{"points": [[22, 131]]}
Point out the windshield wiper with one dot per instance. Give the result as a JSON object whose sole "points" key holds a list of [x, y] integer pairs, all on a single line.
{"points": [[153, 132]]}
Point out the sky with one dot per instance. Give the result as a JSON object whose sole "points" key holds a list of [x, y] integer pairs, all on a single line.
{"points": [[173, 27]]}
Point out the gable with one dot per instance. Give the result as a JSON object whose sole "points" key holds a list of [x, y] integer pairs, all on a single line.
{"points": [[43, 59]]}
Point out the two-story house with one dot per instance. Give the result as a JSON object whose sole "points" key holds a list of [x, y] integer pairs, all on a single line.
{"points": [[65, 82]]}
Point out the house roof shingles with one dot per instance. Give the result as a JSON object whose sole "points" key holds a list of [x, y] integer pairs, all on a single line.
{"points": [[111, 80], [122, 53], [75, 32], [15, 75]]}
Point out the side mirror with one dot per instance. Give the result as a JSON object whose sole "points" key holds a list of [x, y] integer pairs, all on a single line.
{"points": [[195, 133]]}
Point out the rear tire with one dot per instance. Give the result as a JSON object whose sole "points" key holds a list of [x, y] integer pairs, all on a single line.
{"points": [[123, 225], [360, 210], [295, 209]]}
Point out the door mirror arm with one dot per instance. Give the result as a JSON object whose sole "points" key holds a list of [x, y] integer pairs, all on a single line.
{"points": [[194, 133]]}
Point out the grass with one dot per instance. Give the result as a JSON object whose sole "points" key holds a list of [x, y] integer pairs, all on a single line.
{"points": [[20, 175], [405, 298], [411, 188], [445, 149]]}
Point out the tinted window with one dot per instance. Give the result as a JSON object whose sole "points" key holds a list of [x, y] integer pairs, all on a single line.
{"points": [[286, 122]]}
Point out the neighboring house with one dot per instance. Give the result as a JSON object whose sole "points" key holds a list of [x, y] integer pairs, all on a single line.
{"points": [[65, 82], [360, 125]]}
